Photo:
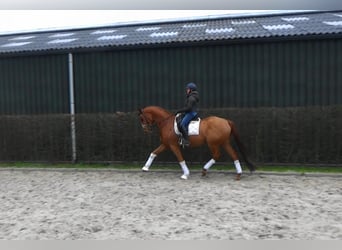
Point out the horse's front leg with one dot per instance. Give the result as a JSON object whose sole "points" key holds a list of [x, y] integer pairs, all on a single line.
{"points": [[176, 150], [152, 156]]}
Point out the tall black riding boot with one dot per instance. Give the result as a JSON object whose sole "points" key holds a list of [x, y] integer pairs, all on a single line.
{"points": [[185, 137]]}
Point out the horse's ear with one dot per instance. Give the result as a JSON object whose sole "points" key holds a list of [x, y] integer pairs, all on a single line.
{"points": [[140, 111]]}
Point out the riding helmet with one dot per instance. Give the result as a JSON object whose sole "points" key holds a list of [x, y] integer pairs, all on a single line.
{"points": [[191, 86]]}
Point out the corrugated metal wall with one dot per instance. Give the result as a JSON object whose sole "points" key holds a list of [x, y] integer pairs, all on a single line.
{"points": [[291, 73], [34, 85], [279, 74]]}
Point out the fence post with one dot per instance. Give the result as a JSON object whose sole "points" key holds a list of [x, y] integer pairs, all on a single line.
{"points": [[72, 108]]}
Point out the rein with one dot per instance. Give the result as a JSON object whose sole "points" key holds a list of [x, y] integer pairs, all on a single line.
{"points": [[150, 123], [159, 123]]}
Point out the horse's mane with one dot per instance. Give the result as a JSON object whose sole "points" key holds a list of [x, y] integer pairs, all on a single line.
{"points": [[157, 109]]}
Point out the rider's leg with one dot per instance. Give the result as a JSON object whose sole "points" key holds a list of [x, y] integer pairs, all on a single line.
{"points": [[185, 136], [184, 127]]}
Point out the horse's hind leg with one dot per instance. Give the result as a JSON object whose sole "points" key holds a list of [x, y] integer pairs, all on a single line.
{"points": [[215, 151], [152, 156], [232, 153]]}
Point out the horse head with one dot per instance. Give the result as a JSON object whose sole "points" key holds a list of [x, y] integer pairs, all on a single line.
{"points": [[146, 120]]}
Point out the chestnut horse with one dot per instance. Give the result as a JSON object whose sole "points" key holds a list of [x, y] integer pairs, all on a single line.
{"points": [[213, 130]]}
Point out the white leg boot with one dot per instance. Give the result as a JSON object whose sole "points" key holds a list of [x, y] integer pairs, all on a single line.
{"points": [[238, 170], [238, 167], [207, 166], [185, 169], [149, 162]]}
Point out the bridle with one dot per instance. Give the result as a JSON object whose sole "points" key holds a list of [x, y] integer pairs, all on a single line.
{"points": [[147, 124]]}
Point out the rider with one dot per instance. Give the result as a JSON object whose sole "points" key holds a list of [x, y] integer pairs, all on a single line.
{"points": [[190, 110]]}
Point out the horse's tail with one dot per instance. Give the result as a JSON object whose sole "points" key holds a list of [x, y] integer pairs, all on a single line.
{"points": [[241, 147]]}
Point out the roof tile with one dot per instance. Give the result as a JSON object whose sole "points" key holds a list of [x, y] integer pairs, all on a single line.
{"points": [[152, 34]]}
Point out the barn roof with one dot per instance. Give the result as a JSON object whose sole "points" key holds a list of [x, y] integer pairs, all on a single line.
{"points": [[220, 28]]}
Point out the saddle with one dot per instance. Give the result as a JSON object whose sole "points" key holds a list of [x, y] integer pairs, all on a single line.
{"points": [[193, 128]]}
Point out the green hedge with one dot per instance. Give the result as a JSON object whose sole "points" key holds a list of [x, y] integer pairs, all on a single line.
{"points": [[35, 138], [310, 135]]}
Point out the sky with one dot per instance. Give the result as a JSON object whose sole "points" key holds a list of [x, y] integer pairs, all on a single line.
{"points": [[16, 21]]}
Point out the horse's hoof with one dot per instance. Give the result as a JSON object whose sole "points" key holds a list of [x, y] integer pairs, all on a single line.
{"points": [[238, 177], [184, 177], [204, 172], [145, 169]]}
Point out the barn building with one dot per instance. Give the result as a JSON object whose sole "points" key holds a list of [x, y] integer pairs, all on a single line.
{"points": [[278, 75]]}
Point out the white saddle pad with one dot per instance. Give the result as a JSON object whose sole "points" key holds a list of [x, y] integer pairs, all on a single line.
{"points": [[193, 127]]}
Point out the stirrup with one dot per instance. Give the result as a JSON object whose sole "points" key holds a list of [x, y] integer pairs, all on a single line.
{"points": [[184, 143], [180, 140]]}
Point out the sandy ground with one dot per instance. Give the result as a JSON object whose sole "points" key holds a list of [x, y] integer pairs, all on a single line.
{"points": [[113, 204]]}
